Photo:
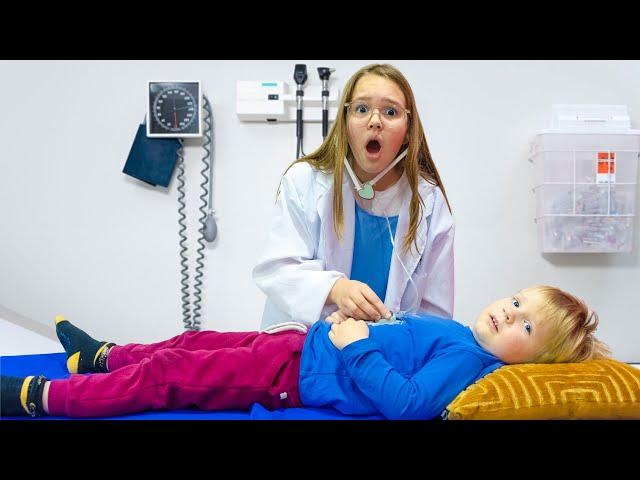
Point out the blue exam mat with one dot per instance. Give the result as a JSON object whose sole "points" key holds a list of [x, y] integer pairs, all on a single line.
{"points": [[53, 366]]}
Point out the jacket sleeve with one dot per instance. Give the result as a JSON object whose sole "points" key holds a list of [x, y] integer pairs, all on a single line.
{"points": [[419, 397], [289, 272], [438, 295]]}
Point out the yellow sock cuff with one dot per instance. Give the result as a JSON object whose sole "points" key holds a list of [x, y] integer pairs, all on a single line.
{"points": [[72, 362], [95, 358], [59, 318], [24, 391]]}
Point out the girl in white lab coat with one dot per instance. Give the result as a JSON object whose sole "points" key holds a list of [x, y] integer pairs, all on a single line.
{"points": [[362, 225]]}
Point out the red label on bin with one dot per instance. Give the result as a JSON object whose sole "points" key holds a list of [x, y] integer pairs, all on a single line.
{"points": [[606, 162]]}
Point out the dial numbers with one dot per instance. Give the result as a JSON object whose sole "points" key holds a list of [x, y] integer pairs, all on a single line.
{"points": [[174, 109]]}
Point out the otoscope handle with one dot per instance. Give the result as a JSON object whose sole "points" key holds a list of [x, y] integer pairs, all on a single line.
{"points": [[325, 122]]}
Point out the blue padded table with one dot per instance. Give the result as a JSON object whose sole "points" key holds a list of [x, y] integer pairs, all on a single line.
{"points": [[53, 366]]}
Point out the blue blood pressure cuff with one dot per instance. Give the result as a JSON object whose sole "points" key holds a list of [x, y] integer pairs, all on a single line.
{"points": [[152, 160]]}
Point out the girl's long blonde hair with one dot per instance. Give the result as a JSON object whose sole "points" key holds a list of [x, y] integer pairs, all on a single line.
{"points": [[329, 156], [573, 325]]}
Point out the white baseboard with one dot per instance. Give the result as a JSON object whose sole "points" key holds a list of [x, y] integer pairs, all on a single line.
{"points": [[47, 331]]}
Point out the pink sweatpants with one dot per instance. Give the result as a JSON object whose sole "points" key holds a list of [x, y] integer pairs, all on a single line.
{"points": [[209, 370]]}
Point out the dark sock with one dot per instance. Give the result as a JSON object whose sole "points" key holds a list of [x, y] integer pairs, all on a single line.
{"points": [[21, 396], [84, 354]]}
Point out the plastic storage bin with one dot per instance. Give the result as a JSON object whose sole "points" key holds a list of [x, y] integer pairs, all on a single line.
{"points": [[585, 187]]}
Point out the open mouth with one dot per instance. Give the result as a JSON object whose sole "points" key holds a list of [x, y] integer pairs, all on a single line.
{"points": [[494, 322], [373, 146]]}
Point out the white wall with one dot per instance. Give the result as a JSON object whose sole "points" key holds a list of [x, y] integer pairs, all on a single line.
{"points": [[79, 237]]}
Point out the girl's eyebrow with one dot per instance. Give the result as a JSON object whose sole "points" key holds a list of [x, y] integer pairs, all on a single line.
{"points": [[384, 99]]}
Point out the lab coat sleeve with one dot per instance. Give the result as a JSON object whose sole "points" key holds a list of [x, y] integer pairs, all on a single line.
{"points": [[289, 272], [438, 295], [421, 396]]}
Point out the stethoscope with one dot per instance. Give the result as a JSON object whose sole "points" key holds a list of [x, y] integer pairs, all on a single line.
{"points": [[365, 190]]}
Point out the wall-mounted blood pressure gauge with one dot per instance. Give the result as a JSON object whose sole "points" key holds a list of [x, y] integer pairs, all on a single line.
{"points": [[174, 109]]}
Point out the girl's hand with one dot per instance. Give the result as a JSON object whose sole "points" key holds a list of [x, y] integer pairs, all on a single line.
{"points": [[356, 299], [347, 332], [336, 317]]}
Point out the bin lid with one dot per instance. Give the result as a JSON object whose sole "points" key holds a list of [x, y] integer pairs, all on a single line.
{"points": [[590, 119]]}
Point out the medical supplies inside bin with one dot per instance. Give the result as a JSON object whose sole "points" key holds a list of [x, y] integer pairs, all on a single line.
{"points": [[585, 187]]}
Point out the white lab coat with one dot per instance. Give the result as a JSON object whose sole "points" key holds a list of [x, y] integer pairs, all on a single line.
{"points": [[304, 258]]}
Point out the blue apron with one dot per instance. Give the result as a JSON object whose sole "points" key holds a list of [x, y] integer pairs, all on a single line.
{"points": [[372, 249]]}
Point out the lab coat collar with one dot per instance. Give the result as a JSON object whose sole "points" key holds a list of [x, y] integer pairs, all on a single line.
{"points": [[398, 278], [339, 254]]}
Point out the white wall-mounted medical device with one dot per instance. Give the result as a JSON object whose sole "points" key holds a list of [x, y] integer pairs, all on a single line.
{"points": [[274, 101], [586, 169]]}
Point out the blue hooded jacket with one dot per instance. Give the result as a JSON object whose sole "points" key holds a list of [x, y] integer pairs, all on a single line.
{"points": [[408, 369]]}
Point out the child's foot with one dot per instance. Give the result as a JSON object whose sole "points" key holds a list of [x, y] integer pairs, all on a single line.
{"points": [[84, 354], [21, 396]]}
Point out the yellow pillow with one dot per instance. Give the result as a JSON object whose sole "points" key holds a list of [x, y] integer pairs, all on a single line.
{"points": [[597, 389]]}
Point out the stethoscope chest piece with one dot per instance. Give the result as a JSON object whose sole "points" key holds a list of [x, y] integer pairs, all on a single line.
{"points": [[366, 191]]}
